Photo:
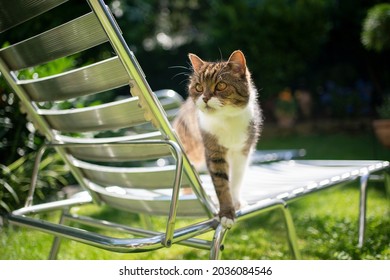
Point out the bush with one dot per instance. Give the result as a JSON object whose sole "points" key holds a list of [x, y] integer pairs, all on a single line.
{"points": [[384, 109], [274, 34], [376, 28]]}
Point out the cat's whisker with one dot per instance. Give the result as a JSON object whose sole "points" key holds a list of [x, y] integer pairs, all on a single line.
{"points": [[181, 73], [186, 75], [220, 53], [186, 80], [180, 67]]}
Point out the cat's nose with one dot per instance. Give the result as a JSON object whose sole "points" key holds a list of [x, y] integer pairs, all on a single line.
{"points": [[206, 99]]}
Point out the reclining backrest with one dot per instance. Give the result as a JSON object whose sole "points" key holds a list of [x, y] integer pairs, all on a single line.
{"points": [[120, 148]]}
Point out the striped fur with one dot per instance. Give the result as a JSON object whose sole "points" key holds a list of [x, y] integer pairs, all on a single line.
{"points": [[219, 125]]}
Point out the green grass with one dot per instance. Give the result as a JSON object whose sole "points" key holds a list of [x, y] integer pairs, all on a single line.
{"points": [[326, 222]]}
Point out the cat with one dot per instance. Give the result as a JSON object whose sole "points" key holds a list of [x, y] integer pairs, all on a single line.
{"points": [[219, 124]]}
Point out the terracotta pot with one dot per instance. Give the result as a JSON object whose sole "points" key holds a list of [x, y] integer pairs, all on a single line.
{"points": [[382, 131]]}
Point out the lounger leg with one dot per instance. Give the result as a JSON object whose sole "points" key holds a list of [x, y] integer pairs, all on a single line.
{"points": [[362, 209], [55, 247], [291, 233], [217, 244], [387, 183]]}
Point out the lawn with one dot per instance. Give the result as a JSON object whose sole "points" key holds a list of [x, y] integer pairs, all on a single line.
{"points": [[326, 222], [331, 146]]}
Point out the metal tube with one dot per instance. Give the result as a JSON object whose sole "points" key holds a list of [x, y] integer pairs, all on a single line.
{"points": [[123, 245], [177, 153], [191, 242], [362, 208], [55, 247], [270, 205], [217, 243]]}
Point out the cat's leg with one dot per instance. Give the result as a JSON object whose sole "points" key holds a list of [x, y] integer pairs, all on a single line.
{"points": [[218, 167], [238, 164], [219, 172]]}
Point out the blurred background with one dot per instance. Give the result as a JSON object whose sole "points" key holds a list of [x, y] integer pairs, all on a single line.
{"points": [[321, 66]]}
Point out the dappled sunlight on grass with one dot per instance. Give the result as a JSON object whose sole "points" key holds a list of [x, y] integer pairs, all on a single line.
{"points": [[328, 227]]}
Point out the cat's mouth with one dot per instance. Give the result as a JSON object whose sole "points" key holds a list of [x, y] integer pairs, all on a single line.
{"points": [[208, 109]]}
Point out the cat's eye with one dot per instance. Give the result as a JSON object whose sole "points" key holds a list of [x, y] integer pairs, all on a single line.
{"points": [[199, 88], [221, 86]]}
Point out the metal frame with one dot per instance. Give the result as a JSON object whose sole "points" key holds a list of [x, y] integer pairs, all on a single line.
{"points": [[177, 153], [150, 240]]}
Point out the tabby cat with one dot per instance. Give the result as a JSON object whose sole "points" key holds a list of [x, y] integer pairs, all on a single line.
{"points": [[219, 124]]}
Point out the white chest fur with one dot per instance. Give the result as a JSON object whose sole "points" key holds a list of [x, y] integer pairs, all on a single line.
{"points": [[228, 125]]}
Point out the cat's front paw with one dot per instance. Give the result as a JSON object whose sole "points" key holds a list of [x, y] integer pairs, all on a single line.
{"points": [[226, 218], [227, 222]]}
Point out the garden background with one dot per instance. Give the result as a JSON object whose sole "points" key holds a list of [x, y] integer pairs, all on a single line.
{"points": [[320, 85]]}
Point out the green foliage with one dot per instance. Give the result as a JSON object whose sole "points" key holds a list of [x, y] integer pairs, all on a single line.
{"points": [[280, 37], [376, 28], [384, 109], [17, 135], [15, 180], [48, 69]]}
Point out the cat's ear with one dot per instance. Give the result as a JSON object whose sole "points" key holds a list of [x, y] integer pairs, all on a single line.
{"points": [[195, 61], [237, 60]]}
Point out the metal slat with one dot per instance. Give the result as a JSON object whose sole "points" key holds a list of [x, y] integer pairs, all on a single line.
{"points": [[14, 12], [187, 208], [98, 77], [129, 177], [114, 115], [118, 152], [115, 149], [148, 201], [155, 135], [72, 37]]}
